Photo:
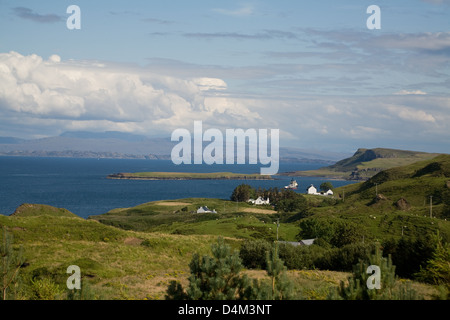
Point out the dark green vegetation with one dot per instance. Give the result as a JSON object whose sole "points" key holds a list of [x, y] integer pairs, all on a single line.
{"points": [[137, 252], [188, 176], [366, 163]]}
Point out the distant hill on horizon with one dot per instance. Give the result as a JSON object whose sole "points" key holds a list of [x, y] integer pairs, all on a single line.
{"points": [[366, 163], [115, 144]]}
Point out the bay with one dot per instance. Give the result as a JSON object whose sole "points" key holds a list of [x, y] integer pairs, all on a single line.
{"points": [[81, 186]]}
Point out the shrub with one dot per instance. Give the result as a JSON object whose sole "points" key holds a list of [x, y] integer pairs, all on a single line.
{"points": [[409, 255], [437, 269], [314, 228], [253, 253], [300, 257], [296, 204], [45, 289], [358, 282], [343, 259], [242, 193], [337, 232]]}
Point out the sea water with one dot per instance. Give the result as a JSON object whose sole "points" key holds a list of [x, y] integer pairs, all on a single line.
{"points": [[81, 185]]}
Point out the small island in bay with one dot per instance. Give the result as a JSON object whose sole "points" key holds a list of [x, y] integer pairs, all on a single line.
{"points": [[189, 176]]}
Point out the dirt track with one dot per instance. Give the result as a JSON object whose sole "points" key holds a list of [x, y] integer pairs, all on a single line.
{"points": [[256, 210], [173, 204]]}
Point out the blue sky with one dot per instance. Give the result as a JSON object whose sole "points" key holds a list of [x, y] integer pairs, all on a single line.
{"points": [[309, 68]]}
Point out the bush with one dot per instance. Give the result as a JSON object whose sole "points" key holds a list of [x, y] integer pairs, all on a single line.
{"points": [[358, 283], [343, 259], [325, 186], [45, 289], [314, 228], [301, 257], [337, 232], [297, 204], [253, 253], [409, 255], [242, 193]]}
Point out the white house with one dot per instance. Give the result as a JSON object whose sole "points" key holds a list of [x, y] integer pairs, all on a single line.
{"points": [[306, 242], [311, 190], [259, 201], [205, 210]]}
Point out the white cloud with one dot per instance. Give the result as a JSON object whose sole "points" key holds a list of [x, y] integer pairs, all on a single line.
{"points": [[91, 95], [206, 84], [47, 96], [410, 114], [242, 11], [406, 92], [366, 131], [331, 109]]}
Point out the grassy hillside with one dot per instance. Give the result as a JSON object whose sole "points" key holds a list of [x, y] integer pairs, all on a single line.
{"points": [[365, 163], [120, 264], [399, 196], [233, 219], [415, 182], [32, 210], [117, 264]]}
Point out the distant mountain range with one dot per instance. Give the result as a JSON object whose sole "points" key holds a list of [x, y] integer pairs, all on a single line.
{"points": [[113, 144]]}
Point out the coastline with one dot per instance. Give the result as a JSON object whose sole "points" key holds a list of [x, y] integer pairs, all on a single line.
{"points": [[327, 177], [187, 176]]}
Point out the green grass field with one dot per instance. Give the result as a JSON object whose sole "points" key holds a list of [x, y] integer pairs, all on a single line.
{"points": [[120, 264], [239, 220]]}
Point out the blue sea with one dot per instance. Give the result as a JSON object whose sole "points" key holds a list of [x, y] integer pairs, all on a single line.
{"points": [[81, 186]]}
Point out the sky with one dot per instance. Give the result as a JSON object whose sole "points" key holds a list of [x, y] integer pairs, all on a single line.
{"points": [[312, 69]]}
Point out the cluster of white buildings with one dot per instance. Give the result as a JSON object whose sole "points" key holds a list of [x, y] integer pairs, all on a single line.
{"points": [[261, 201], [312, 190]]}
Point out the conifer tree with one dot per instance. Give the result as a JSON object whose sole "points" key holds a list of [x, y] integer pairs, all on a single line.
{"points": [[358, 289], [219, 278], [437, 270], [279, 287], [282, 288], [213, 278]]}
